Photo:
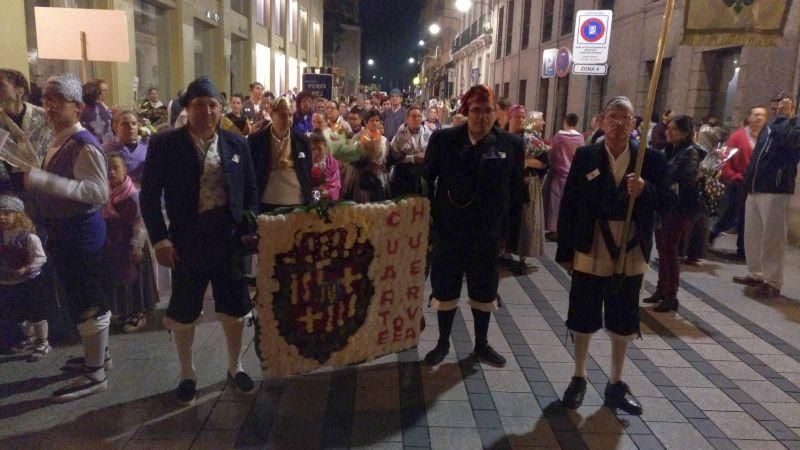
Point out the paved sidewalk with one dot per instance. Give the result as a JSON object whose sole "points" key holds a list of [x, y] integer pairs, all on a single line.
{"points": [[722, 373]]}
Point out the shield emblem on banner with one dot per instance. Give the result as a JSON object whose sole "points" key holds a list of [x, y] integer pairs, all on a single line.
{"points": [[324, 291]]}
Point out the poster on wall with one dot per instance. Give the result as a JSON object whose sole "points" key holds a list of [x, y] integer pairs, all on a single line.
{"points": [[58, 34], [319, 84], [340, 287]]}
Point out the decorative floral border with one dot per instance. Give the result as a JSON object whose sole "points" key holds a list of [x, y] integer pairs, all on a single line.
{"points": [[398, 231]]}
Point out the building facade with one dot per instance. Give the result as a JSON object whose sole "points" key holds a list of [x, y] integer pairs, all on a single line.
{"points": [[437, 63], [472, 47], [348, 58], [172, 42], [723, 82]]}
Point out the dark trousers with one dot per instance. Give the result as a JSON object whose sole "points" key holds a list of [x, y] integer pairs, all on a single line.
{"points": [[674, 228], [451, 260], [23, 301], [595, 301], [695, 244], [81, 275], [208, 254]]}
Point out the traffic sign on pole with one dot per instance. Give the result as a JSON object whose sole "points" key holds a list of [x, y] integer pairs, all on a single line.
{"points": [[592, 36], [563, 62]]}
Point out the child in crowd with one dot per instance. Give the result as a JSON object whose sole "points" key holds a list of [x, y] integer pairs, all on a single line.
{"points": [[325, 168], [21, 261], [123, 248]]}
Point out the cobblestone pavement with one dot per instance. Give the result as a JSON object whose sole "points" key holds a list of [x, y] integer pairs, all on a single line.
{"points": [[722, 373]]}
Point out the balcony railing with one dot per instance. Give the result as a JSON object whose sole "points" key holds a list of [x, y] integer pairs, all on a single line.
{"points": [[481, 26]]}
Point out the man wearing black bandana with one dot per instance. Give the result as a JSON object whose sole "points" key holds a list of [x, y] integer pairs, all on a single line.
{"points": [[590, 228], [475, 175]]}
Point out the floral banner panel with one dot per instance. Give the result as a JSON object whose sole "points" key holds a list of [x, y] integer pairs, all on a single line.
{"points": [[340, 287], [735, 22]]}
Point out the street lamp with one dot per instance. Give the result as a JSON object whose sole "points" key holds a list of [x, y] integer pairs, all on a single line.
{"points": [[421, 43], [370, 62], [411, 60], [434, 29], [463, 5]]}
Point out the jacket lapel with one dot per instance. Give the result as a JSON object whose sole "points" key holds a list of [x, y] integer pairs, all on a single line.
{"points": [[190, 152]]}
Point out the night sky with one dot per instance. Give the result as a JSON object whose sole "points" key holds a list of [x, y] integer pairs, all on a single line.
{"points": [[391, 31]]}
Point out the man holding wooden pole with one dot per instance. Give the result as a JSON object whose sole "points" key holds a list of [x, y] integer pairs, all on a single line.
{"points": [[591, 227]]}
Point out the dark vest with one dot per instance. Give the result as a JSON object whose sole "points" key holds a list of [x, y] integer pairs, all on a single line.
{"points": [[77, 224]]}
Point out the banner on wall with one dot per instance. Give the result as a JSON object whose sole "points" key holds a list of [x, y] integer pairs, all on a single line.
{"points": [[341, 286], [735, 22]]}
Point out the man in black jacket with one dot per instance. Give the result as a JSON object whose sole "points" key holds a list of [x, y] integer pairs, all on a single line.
{"points": [[769, 182], [206, 178], [474, 173], [590, 223]]}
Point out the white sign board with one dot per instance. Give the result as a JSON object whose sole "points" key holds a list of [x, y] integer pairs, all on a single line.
{"points": [[590, 69], [58, 34], [592, 37], [549, 62]]}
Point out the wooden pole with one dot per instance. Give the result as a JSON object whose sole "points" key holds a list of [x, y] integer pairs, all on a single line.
{"points": [[651, 98], [84, 58]]}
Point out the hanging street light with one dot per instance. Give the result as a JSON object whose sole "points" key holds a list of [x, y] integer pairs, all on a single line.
{"points": [[463, 5]]}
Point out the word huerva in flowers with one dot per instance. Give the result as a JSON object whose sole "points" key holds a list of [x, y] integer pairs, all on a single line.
{"points": [[341, 287]]}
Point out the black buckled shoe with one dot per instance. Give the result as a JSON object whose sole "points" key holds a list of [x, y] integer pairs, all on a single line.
{"points": [[437, 355], [242, 382], [573, 396], [619, 396], [488, 355], [187, 389]]}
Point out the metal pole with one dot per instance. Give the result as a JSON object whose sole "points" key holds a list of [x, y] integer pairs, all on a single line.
{"points": [[586, 101], [651, 97]]}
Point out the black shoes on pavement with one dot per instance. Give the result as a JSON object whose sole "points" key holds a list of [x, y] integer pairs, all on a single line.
{"points": [[242, 382], [437, 355], [655, 298], [484, 353], [573, 396], [667, 305], [488, 355], [187, 389], [619, 396]]}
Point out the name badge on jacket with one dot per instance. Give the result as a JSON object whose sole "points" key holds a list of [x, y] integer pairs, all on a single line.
{"points": [[593, 174]]}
